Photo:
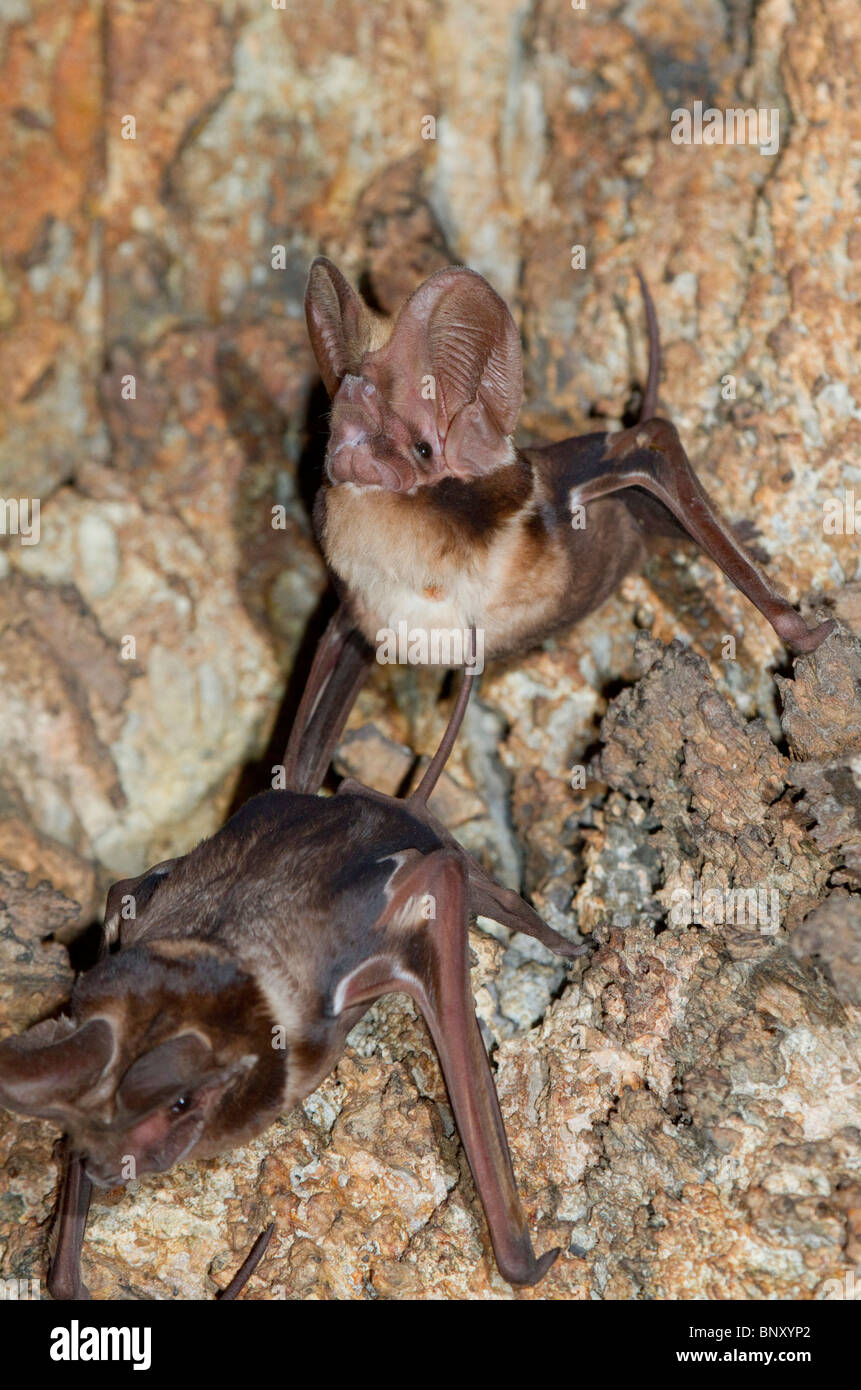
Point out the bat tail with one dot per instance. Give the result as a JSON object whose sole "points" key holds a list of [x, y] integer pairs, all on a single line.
{"points": [[248, 1266], [650, 394], [442, 754]]}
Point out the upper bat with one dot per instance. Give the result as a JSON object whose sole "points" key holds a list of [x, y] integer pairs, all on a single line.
{"points": [[429, 515], [228, 995]]}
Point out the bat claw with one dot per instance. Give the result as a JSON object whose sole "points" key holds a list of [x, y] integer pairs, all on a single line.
{"points": [[543, 1263], [533, 1271]]}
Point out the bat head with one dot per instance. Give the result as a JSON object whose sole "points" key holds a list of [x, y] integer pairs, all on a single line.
{"points": [[434, 395], [135, 1089]]}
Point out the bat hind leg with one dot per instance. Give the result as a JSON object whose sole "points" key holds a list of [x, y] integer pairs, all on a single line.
{"points": [[651, 456], [487, 897], [337, 674], [248, 1266]]}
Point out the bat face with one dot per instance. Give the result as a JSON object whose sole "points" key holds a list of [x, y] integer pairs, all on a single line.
{"points": [[166, 1053], [208, 1021], [435, 395], [373, 445]]}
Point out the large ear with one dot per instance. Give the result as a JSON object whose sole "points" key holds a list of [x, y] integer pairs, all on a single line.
{"points": [[45, 1070], [185, 1062], [141, 889], [424, 952], [337, 321], [456, 329]]}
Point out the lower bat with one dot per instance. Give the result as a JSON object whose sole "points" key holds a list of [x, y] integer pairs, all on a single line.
{"points": [[231, 978]]}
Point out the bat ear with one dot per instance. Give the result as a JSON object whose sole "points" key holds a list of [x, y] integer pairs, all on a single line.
{"points": [[462, 333], [45, 1070], [337, 322], [140, 890]]}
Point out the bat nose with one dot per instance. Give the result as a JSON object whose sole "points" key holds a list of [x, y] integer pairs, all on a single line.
{"points": [[352, 461], [351, 439]]}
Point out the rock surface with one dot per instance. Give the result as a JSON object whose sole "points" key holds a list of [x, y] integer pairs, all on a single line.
{"points": [[683, 1105]]}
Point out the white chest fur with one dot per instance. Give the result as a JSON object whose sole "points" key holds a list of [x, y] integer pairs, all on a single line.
{"points": [[400, 566], [399, 570]]}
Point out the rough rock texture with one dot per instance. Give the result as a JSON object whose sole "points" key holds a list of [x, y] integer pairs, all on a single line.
{"points": [[683, 1106]]}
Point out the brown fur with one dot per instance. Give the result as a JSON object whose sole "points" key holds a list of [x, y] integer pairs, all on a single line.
{"points": [[292, 919], [460, 553]]}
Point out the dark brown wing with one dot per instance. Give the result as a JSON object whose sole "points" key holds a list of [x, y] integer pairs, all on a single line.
{"points": [[424, 953], [64, 1276]]}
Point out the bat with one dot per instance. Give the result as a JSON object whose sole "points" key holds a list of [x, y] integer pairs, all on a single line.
{"points": [[231, 977], [429, 515]]}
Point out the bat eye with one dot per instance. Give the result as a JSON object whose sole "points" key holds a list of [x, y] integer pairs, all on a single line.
{"points": [[423, 449], [181, 1105]]}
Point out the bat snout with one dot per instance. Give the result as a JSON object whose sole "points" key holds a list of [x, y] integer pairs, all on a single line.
{"points": [[341, 456], [153, 1145], [352, 458]]}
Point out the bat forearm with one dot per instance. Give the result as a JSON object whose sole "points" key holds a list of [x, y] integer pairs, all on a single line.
{"points": [[65, 1280]]}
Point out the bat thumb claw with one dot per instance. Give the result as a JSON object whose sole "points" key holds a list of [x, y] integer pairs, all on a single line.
{"points": [[574, 952], [801, 638], [545, 1261], [816, 635], [68, 1291], [534, 1271]]}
